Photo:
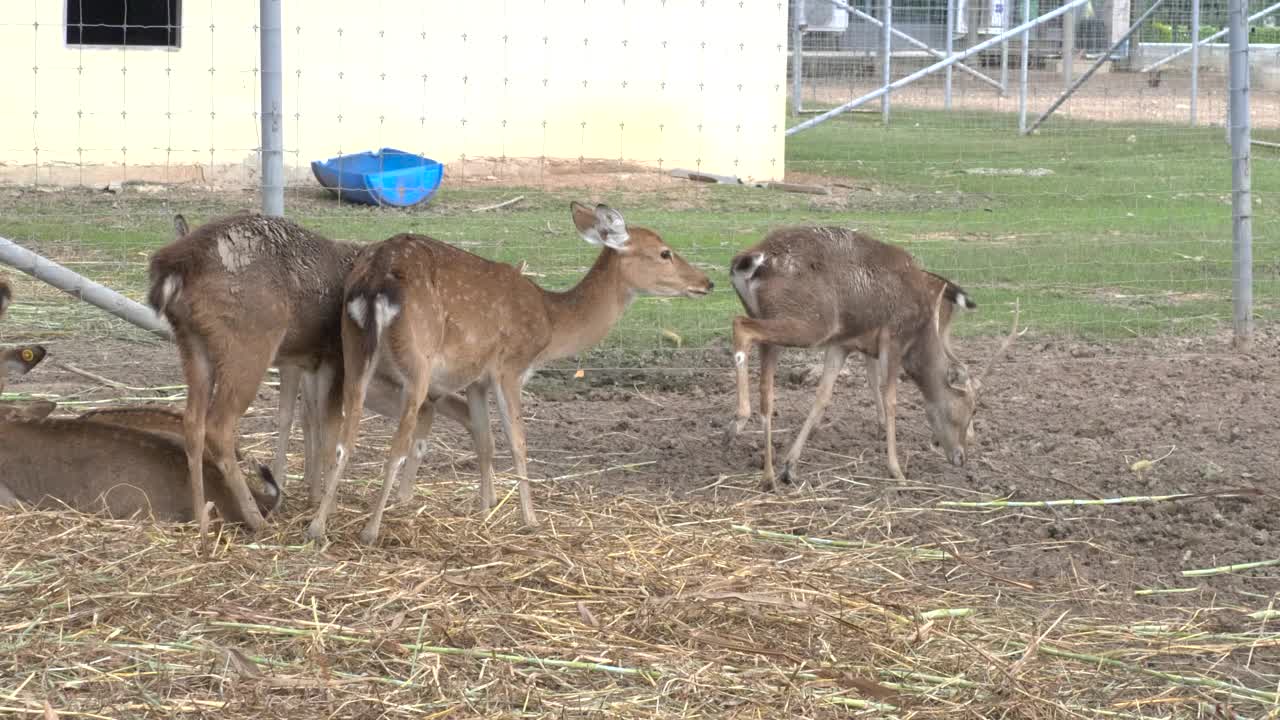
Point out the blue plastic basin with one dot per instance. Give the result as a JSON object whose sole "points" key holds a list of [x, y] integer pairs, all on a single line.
{"points": [[386, 177]]}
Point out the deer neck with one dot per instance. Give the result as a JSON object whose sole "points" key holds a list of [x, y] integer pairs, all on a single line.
{"points": [[926, 364], [583, 315]]}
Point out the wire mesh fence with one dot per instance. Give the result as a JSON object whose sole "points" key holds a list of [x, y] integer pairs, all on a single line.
{"points": [[1111, 220]]}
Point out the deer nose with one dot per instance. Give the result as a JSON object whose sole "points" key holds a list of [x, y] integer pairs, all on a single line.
{"points": [[711, 285], [957, 457]]}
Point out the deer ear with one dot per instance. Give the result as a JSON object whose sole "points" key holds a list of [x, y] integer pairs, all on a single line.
{"points": [[602, 226], [20, 360], [958, 376], [180, 229]]}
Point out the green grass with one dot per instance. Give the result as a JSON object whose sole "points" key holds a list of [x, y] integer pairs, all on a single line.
{"points": [[1128, 234]]}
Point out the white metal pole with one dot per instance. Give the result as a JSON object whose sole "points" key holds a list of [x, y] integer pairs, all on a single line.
{"points": [[797, 56], [886, 44], [1195, 58], [1241, 196], [1026, 63], [951, 31], [272, 109], [1068, 48]]}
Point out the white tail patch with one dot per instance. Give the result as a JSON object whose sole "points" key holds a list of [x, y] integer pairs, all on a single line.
{"points": [[355, 308], [742, 278], [169, 290], [963, 301], [384, 311]]}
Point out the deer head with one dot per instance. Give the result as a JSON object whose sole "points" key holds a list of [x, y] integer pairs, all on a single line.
{"points": [[648, 265], [951, 415]]}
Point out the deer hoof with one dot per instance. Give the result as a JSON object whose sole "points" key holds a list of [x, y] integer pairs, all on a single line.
{"points": [[786, 477], [369, 536], [896, 473], [734, 427], [315, 531]]}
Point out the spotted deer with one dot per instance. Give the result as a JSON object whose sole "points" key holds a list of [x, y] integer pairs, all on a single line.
{"points": [[841, 291], [443, 320], [96, 465], [242, 293]]}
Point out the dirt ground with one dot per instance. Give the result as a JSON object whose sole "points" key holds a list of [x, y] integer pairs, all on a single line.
{"points": [[1058, 420]]}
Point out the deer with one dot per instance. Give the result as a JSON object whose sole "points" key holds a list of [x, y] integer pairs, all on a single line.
{"points": [[93, 465], [444, 320], [242, 293], [841, 291]]}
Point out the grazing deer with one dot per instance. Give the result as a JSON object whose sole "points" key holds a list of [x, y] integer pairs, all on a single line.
{"points": [[443, 320], [242, 293], [841, 291], [91, 466]]}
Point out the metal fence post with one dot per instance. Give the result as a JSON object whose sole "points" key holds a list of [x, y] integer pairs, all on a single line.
{"points": [[1068, 47], [886, 42], [951, 29], [1195, 58], [1026, 62], [272, 108], [1241, 199], [797, 58]]}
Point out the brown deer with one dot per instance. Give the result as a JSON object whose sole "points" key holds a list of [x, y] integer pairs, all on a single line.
{"points": [[96, 465], [242, 293], [6, 295], [151, 418], [842, 291], [445, 320]]}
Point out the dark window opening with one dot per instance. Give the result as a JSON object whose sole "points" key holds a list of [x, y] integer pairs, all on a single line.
{"points": [[145, 23]]}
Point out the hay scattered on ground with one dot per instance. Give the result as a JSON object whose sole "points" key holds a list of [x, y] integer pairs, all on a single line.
{"points": [[723, 603]]}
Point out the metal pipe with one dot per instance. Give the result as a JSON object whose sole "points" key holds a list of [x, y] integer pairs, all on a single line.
{"points": [[1106, 56], [886, 42], [1025, 66], [1195, 58], [907, 80], [272, 109], [1241, 196], [82, 288], [915, 42], [1252, 19]]}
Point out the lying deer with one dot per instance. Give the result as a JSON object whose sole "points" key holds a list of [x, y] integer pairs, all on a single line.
{"points": [[841, 291], [446, 320], [98, 465], [242, 293], [151, 418]]}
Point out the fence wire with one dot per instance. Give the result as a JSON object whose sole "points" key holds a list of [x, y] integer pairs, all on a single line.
{"points": [[1112, 220]]}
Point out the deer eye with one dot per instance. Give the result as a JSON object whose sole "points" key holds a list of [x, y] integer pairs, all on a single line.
{"points": [[665, 254]]}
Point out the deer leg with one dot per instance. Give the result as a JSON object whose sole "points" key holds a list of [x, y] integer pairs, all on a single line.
{"points": [[233, 391], [195, 366], [832, 361], [873, 381], [415, 412], [776, 331], [321, 397], [290, 377], [510, 405], [768, 368], [356, 374], [452, 407], [887, 368], [482, 439]]}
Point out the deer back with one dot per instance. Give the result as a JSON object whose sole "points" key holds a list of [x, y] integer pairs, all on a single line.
{"points": [[154, 419], [255, 269]]}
